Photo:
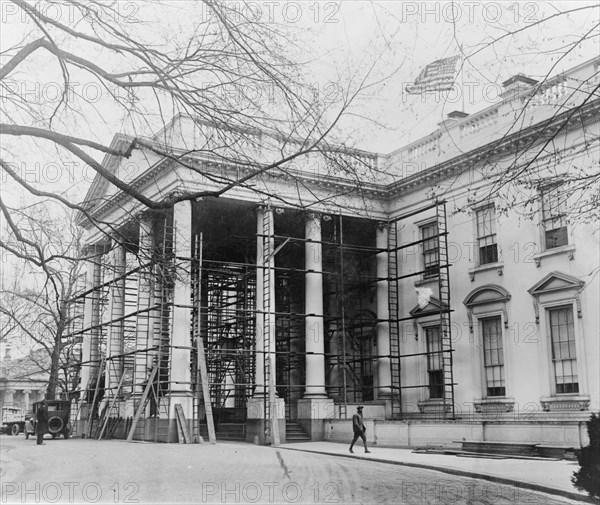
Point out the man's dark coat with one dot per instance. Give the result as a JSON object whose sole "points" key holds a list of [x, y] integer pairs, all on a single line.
{"points": [[41, 425]]}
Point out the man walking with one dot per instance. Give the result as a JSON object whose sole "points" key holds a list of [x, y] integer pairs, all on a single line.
{"points": [[359, 428], [41, 425]]}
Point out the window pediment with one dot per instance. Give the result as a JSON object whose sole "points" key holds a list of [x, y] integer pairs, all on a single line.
{"points": [[490, 293], [487, 295], [433, 307], [555, 281]]}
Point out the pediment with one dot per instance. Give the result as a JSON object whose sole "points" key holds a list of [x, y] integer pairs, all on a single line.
{"points": [[490, 293], [555, 281], [433, 307], [111, 162]]}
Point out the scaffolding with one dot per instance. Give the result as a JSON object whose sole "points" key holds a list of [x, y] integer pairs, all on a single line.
{"points": [[230, 294]]}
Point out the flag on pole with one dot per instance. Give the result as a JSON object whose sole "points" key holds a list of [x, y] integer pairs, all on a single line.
{"points": [[437, 76]]}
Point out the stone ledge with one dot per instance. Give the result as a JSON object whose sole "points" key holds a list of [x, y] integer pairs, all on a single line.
{"points": [[432, 407], [565, 403], [494, 405]]}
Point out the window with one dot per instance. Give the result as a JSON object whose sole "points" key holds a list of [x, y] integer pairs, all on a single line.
{"points": [[554, 219], [486, 235], [493, 356], [431, 262], [564, 357], [435, 374]]}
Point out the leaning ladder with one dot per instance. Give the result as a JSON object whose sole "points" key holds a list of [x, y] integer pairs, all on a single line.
{"points": [[202, 384], [90, 418], [106, 413]]}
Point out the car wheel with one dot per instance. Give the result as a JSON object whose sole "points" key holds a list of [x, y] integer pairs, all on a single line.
{"points": [[55, 425], [14, 431]]}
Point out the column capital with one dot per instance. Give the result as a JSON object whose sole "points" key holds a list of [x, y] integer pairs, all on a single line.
{"points": [[147, 215], [383, 225], [96, 249], [313, 215]]}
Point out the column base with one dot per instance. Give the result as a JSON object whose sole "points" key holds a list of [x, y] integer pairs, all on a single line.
{"points": [[311, 412], [255, 423]]}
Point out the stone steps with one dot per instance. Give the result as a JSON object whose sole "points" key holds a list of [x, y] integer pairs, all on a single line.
{"points": [[295, 433]]}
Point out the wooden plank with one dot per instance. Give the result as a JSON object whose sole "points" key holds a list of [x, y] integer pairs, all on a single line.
{"points": [[142, 405], [91, 412], [206, 392], [112, 404], [182, 425]]}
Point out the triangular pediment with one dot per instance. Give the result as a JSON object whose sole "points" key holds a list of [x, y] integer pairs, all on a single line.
{"points": [[556, 281], [433, 307], [489, 293], [111, 163]]}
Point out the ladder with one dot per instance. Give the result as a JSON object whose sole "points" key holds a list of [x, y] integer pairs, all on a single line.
{"points": [[343, 408], [444, 295], [394, 325], [202, 383], [266, 275], [143, 401], [105, 417], [90, 419]]}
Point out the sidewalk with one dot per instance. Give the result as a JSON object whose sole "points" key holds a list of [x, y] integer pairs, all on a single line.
{"points": [[552, 477]]}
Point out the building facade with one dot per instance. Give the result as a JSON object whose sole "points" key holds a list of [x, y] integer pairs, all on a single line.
{"points": [[447, 315]]}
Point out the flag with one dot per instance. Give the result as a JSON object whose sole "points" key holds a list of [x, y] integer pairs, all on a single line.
{"points": [[437, 76]]}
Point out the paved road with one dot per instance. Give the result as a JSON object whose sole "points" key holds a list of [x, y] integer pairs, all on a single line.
{"points": [[89, 471]]}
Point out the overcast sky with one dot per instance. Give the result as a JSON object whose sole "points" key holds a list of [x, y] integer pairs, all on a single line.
{"points": [[340, 40]]}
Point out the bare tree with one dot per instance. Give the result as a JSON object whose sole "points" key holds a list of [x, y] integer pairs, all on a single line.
{"points": [[543, 158], [229, 72], [234, 78], [35, 305]]}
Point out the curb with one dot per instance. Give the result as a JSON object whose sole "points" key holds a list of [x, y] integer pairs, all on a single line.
{"points": [[461, 473]]}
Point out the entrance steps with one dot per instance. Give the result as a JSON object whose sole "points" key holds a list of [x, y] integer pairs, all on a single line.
{"points": [[294, 433]]}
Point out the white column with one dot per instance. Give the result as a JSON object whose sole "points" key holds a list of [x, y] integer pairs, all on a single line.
{"points": [[314, 324], [117, 309], [89, 346], [384, 377], [260, 263], [265, 317], [26, 401], [182, 310], [9, 396], [144, 320]]}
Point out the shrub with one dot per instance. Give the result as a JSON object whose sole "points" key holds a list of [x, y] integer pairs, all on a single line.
{"points": [[587, 478]]}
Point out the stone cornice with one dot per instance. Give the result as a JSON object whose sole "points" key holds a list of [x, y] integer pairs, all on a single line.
{"points": [[525, 138]]}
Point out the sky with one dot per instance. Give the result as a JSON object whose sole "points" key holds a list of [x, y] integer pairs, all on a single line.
{"points": [[340, 40], [387, 43]]}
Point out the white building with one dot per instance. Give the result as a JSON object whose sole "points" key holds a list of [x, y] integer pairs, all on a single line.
{"points": [[315, 285]]}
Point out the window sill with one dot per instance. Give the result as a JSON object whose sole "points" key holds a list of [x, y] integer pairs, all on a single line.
{"points": [[429, 280], [494, 405], [569, 250], [432, 406], [498, 266], [565, 402]]}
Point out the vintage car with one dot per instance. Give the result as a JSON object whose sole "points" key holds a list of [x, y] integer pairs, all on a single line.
{"points": [[59, 422]]}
